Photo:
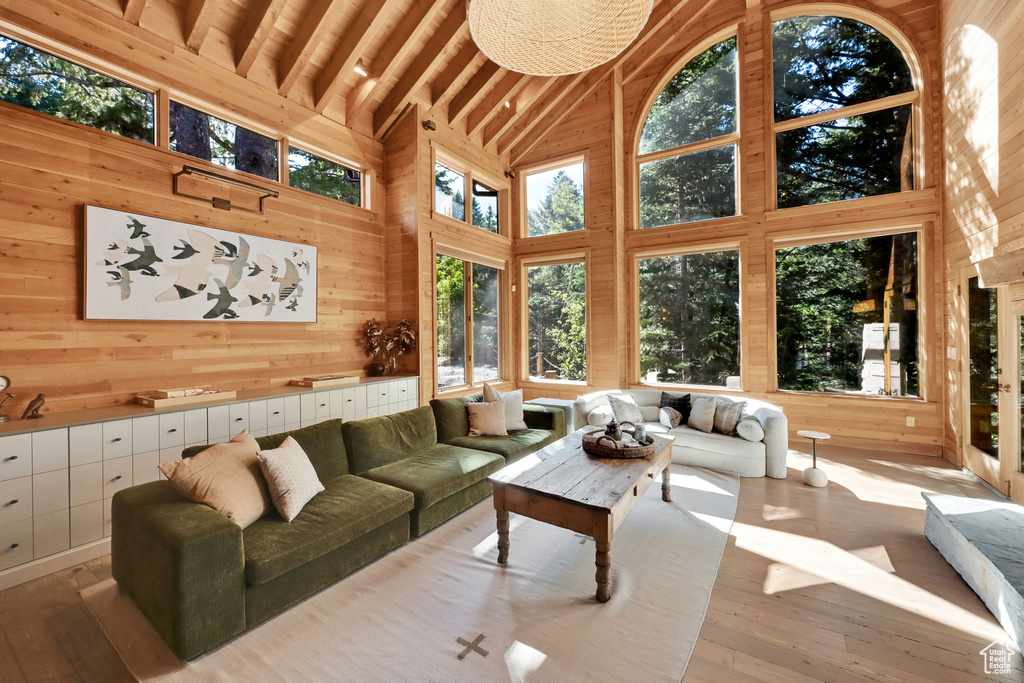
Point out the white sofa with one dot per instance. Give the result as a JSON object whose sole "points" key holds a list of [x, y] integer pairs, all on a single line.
{"points": [[715, 451]]}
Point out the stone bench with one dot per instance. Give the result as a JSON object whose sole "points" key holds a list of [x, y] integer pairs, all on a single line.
{"points": [[981, 539]]}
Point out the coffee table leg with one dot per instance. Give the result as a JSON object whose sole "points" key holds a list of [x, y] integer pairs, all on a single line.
{"points": [[604, 564], [502, 536], [666, 483]]}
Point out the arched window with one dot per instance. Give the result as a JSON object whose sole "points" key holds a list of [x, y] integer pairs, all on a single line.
{"points": [[844, 98], [687, 152]]}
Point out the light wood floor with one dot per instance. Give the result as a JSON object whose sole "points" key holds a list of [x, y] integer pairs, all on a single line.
{"points": [[835, 584]]}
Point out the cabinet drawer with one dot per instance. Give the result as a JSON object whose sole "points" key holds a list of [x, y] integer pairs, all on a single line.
{"points": [[394, 391], [258, 416], [172, 430], [323, 406], [51, 533], [307, 409], [85, 443], [86, 523], [49, 450], [348, 404], [145, 434], [86, 483], [338, 399], [15, 544], [292, 409], [144, 467], [15, 500], [238, 414], [15, 456], [405, 390], [217, 423], [196, 426], [117, 439], [49, 492], [117, 475], [275, 415]]}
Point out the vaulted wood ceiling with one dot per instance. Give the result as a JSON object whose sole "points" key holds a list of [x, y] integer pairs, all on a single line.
{"points": [[412, 51]]}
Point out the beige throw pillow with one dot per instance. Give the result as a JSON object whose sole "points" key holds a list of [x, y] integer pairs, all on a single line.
{"points": [[486, 419], [727, 415], [225, 476], [513, 402], [290, 477], [670, 417], [702, 414], [750, 429], [625, 409]]}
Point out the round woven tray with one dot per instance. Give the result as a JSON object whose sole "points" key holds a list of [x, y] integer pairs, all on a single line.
{"points": [[625, 453]]}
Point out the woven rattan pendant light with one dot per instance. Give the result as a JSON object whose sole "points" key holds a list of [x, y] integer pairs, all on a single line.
{"points": [[555, 37]]}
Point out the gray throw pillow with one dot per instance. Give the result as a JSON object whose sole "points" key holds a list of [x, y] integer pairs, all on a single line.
{"points": [[727, 415], [670, 417], [702, 414], [625, 409], [750, 429]]}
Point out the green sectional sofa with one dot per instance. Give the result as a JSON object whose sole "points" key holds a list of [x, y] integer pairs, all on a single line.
{"points": [[201, 580], [545, 425]]}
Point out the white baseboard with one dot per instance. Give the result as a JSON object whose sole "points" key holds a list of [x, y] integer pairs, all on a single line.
{"points": [[48, 565]]}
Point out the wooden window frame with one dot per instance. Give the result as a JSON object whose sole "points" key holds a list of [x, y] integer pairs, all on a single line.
{"points": [[551, 165], [470, 174], [364, 180]]}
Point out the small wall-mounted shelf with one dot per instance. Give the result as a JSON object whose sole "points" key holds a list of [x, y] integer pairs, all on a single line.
{"points": [[220, 202]]}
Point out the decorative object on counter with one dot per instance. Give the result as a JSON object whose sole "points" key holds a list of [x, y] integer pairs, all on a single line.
{"points": [[32, 409], [155, 399], [375, 369], [187, 391], [388, 344], [335, 380], [5, 384], [601, 443], [143, 268]]}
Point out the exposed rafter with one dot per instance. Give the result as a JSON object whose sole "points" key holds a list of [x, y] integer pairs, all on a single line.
{"points": [[196, 22], [474, 91], [449, 33], [133, 10], [254, 33], [359, 34], [413, 26], [535, 87], [505, 90], [540, 110], [309, 34], [457, 67]]}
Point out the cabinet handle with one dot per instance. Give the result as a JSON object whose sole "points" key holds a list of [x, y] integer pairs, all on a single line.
{"points": [[348, 400], [117, 478], [14, 545], [172, 430], [403, 391], [14, 502], [117, 439], [277, 412], [323, 405], [238, 419], [13, 457]]}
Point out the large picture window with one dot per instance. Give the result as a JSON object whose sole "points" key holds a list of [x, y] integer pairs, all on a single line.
{"points": [[825, 151], [554, 200], [687, 153], [557, 321], [207, 137], [689, 318], [846, 316], [38, 80], [452, 186], [467, 318], [313, 173]]}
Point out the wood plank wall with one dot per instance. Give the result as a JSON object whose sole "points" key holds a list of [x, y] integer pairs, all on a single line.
{"points": [[592, 130], [983, 77], [49, 169]]}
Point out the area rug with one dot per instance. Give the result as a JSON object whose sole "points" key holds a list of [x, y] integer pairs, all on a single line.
{"points": [[441, 609]]}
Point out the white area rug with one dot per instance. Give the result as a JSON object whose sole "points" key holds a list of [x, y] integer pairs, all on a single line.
{"points": [[430, 610]]}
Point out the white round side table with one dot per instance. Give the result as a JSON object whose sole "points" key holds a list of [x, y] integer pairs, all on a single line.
{"points": [[812, 475]]}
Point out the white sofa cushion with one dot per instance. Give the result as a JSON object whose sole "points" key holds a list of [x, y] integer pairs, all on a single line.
{"points": [[750, 429], [624, 408], [702, 414], [600, 416]]}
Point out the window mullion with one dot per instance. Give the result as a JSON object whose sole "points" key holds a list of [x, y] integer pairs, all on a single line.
{"points": [[682, 150], [467, 303], [846, 112]]}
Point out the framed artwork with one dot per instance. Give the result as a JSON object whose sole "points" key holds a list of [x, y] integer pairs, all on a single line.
{"points": [[143, 268]]}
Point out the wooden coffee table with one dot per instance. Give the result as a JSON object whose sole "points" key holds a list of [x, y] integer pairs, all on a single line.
{"points": [[564, 485]]}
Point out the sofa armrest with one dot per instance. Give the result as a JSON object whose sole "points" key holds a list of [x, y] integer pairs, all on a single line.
{"points": [[585, 404], [181, 563], [776, 440], [545, 417]]}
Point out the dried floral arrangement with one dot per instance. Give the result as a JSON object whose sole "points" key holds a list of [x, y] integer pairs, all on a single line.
{"points": [[387, 345]]}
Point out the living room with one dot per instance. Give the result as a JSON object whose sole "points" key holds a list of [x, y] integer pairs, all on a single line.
{"points": [[777, 244]]}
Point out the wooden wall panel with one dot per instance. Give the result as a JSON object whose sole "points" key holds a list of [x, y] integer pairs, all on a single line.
{"points": [[876, 422], [983, 78]]}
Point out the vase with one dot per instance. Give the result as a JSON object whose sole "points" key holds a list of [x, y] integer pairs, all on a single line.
{"points": [[376, 369], [393, 365]]}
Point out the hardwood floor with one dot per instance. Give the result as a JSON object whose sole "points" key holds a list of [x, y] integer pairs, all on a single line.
{"points": [[835, 584]]}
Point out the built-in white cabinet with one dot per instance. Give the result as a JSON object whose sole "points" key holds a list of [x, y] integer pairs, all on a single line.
{"points": [[56, 484]]}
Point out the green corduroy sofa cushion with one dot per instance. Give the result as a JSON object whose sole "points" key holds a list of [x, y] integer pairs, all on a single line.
{"points": [[450, 416], [437, 472], [518, 443], [321, 442], [380, 441], [347, 508]]}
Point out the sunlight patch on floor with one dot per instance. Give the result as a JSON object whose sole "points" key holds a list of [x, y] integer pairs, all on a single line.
{"points": [[522, 660], [779, 513], [844, 568], [866, 486], [490, 544], [783, 577]]}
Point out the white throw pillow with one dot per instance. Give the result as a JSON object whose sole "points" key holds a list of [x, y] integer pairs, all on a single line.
{"points": [[600, 416], [290, 476], [487, 419], [625, 409], [750, 429], [513, 402], [702, 415], [670, 417]]}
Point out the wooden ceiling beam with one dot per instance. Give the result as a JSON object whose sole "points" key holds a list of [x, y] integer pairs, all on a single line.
{"points": [[474, 91], [453, 29], [254, 33], [458, 66], [539, 111], [511, 83], [667, 22], [306, 39], [413, 26], [133, 10], [196, 22], [349, 50], [535, 87]]}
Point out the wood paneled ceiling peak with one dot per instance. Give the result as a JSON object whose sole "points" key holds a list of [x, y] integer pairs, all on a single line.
{"points": [[412, 51]]}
